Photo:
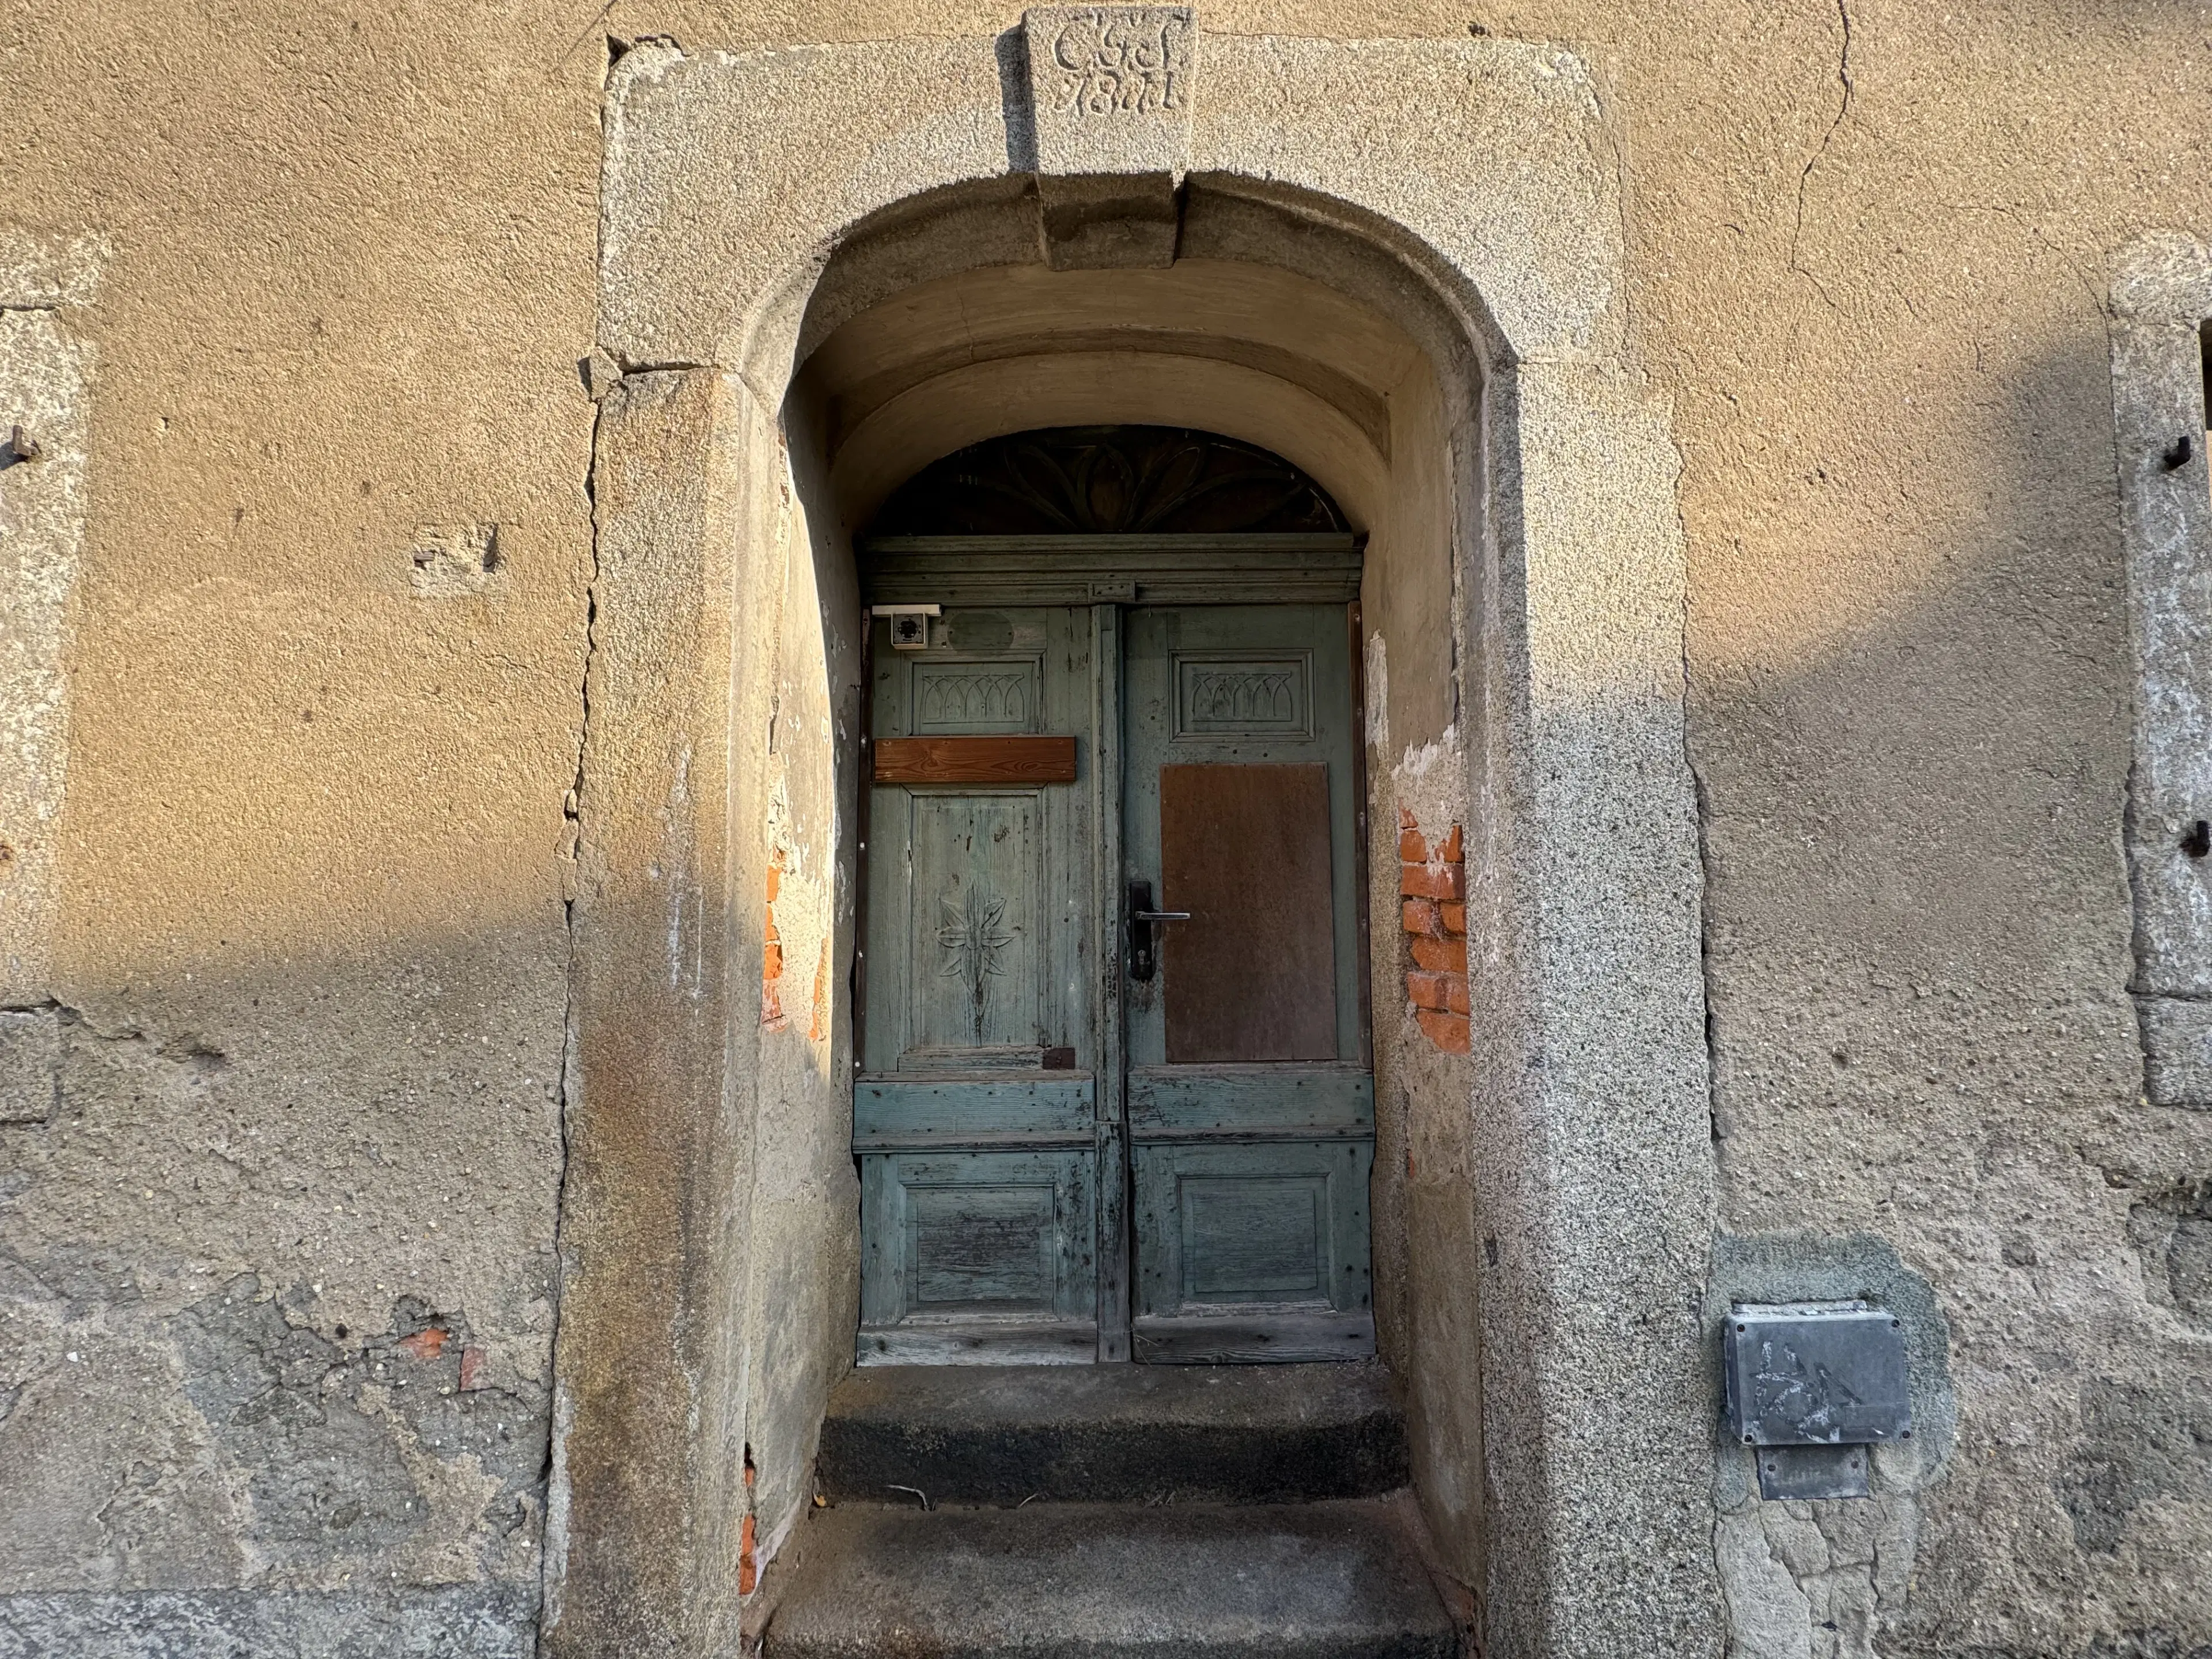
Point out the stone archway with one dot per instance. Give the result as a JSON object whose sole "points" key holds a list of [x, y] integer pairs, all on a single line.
{"points": [[1448, 191]]}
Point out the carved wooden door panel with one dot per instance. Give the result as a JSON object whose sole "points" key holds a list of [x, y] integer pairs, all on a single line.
{"points": [[1250, 1103], [976, 1113]]}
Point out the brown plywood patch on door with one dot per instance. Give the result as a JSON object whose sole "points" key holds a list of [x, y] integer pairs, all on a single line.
{"points": [[1252, 974], [975, 760]]}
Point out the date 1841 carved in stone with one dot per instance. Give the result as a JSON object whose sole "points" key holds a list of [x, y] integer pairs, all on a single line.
{"points": [[1120, 60], [1111, 90]]}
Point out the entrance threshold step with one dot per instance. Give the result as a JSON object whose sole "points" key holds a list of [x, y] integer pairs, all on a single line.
{"points": [[1339, 1580], [1004, 1434]]}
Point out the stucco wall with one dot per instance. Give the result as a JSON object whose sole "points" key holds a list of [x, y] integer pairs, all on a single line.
{"points": [[309, 937]]}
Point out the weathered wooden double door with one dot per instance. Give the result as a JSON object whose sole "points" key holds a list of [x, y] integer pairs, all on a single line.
{"points": [[1113, 1099]]}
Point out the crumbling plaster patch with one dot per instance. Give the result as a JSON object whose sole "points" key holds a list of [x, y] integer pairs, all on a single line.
{"points": [[306, 962], [165, 1426]]}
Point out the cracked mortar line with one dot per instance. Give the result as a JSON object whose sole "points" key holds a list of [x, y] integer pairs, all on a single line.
{"points": [[553, 1561], [1805, 173]]}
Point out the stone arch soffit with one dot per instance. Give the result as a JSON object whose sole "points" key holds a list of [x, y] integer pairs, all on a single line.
{"points": [[1408, 301], [937, 326]]}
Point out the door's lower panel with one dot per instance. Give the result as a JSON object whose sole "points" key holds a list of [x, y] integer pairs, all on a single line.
{"points": [[974, 1254], [1253, 1251], [1256, 1338]]}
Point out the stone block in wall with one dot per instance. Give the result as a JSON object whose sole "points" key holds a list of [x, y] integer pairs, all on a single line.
{"points": [[2160, 291], [45, 367], [1110, 93], [30, 1063], [2177, 1034], [1111, 88]]}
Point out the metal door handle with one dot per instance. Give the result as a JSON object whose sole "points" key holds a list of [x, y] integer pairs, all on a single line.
{"points": [[1144, 958]]}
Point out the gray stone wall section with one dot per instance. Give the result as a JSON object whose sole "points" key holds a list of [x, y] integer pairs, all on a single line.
{"points": [[457, 1621], [1829, 1578], [728, 180], [2162, 294]]}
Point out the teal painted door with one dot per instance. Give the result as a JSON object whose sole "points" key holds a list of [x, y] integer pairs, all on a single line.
{"points": [[1250, 1101], [975, 1115], [1082, 1133]]}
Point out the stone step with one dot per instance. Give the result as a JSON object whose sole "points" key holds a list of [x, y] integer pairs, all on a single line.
{"points": [[999, 1434], [1334, 1580]]}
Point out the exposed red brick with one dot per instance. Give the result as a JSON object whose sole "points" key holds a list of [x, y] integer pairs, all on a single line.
{"points": [[1440, 956], [772, 949], [818, 1030], [472, 1364], [1455, 994], [1454, 919], [1436, 881], [426, 1344], [1449, 848], [1412, 847], [1448, 1031], [748, 1569], [1419, 916], [1430, 990]]}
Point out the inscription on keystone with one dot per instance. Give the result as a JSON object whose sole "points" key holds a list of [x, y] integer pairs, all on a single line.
{"points": [[1111, 88], [1123, 60]]}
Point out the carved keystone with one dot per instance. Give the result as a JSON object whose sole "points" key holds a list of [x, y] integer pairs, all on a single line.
{"points": [[1110, 88]]}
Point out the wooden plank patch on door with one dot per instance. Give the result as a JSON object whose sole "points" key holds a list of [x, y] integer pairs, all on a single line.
{"points": [[1011, 759], [1252, 974]]}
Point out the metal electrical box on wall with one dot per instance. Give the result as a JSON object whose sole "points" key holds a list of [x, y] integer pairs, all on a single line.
{"points": [[1811, 1388]]}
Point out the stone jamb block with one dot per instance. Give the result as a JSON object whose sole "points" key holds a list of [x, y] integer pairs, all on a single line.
{"points": [[2161, 296], [46, 363], [2176, 1037]]}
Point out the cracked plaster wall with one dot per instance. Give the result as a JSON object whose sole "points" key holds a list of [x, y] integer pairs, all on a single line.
{"points": [[308, 958], [296, 935]]}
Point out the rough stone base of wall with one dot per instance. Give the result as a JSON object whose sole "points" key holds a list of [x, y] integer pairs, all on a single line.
{"points": [[479, 1621]]}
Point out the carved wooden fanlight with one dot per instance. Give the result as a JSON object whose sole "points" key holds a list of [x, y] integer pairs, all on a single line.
{"points": [[1109, 480]]}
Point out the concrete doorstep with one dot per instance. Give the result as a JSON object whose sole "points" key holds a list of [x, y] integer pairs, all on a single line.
{"points": [[1225, 1434], [1131, 1509], [1330, 1580]]}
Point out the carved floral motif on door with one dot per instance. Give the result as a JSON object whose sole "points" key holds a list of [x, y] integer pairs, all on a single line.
{"points": [[975, 941]]}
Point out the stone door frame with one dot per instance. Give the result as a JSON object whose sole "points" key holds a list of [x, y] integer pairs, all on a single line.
{"points": [[1471, 169]]}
